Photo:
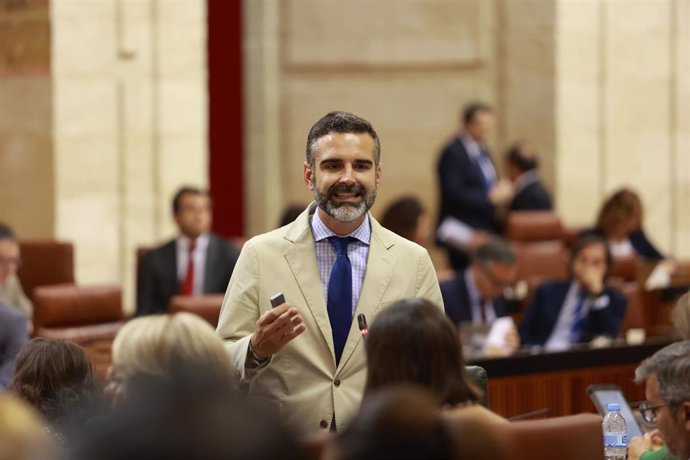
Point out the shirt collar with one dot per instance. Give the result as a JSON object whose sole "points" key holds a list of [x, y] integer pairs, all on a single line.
{"points": [[321, 231], [201, 242], [472, 290], [525, 179], [473, 148]]}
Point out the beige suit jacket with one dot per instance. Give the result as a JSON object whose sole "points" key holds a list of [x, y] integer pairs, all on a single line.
{"points": [[302, 379]]}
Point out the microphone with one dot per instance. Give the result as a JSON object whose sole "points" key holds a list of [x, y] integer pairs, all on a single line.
{"points": [[362, 323]]}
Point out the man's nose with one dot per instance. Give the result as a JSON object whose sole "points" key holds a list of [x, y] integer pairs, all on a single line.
{"points": [[347, 176]]}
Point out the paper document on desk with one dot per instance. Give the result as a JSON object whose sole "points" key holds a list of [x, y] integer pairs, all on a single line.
{"points": [[498, 333], [660, 277], [454, 232]]}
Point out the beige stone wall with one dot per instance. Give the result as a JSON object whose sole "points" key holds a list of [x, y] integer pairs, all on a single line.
{"points": [[407, 66], [130, 125], [26, 166], [599, 87]]}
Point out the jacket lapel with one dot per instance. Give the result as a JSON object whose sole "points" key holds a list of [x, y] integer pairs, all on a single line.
{"points": [[380, 267], [301, 257]]}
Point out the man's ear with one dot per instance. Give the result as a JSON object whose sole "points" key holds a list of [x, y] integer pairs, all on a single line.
{"points": [[685, 410], [308, 176], [378, 175]]}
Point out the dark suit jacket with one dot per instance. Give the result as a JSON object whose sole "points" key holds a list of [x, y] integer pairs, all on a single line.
{"points": [[463, 195], [456, 300], [534, 197], [14, 334], [157, 281], [541, 317]]}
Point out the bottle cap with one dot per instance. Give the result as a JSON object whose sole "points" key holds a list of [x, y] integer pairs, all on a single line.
{"points": [[614, 406]]}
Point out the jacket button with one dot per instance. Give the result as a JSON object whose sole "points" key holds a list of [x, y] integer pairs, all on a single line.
{"points": [[323, 424], [336, 382]]}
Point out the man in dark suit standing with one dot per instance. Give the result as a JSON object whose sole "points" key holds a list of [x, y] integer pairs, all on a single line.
{"points": [[564, 313], [521, 168], [469, 188], [196, 262], [14, 334]]}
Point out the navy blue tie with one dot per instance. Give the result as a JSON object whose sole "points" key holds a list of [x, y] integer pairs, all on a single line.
{"points": [[340, 294], [579, 316]]}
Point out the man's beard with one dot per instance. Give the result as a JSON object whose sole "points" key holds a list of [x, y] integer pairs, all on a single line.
{"points": [[345, 212]]}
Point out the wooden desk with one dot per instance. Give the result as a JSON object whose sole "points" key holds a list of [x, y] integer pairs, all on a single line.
{"points": [[558, 381]]}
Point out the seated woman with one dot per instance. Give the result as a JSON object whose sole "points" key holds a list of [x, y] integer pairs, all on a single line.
{"points": [[158, 352], [564, 313], [56, 378], [426, 350], [620, 223]]}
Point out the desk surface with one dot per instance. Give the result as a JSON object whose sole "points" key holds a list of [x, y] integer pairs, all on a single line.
{"points": [[577, 358]]}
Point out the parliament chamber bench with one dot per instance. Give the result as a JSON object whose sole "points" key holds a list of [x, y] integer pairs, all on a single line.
{"points": [[557, 382]]}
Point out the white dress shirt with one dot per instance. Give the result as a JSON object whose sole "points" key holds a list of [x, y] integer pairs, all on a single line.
{"points": [[199, 256]]}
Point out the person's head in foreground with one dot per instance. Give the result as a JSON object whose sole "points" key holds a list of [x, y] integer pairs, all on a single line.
{"points": [[667, 378], [22, 435], [56, 378], [413, 341], [160, 350]]}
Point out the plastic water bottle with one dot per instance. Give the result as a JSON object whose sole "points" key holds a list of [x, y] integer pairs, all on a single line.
{"points": [[615, 433]]}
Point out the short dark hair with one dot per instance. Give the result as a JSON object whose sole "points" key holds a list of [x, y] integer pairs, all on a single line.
{"points": [[340, 122], [516, 155], [6, 232], [471, 110], [495, 250], [590, 240], [187, 190], [402, 216], [433, 358]]}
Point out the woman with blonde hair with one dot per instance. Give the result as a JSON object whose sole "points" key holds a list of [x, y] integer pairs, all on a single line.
{"points": [[22, 434], [158, 350]]}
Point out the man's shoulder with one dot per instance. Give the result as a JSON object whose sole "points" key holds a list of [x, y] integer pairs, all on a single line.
{"points": [[163, 248], [277, 238], [554, 287], [10, 314], [391, 239]]}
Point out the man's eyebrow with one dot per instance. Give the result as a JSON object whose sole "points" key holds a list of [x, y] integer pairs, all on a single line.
{"points": [[331, 161]]}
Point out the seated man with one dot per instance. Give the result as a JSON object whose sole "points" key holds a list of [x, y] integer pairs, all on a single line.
{"points": [[476, 294], [567, 312], [521, 168], [14, 334], [196, 262], [667, 377], [11, 292]]}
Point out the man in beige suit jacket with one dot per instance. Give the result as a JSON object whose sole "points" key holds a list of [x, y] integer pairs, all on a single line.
{"points": [[287, 353]]}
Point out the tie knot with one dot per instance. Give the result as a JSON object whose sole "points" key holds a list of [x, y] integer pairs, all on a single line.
{"points": [[340, 243]]}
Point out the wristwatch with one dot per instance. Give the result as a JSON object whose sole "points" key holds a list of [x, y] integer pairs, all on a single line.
{"points": [[253, 359]]}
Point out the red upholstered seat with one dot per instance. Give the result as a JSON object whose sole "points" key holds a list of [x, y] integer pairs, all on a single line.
{"points": [[573, 437], [205, 306], [79, 314], [45, 262]]}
